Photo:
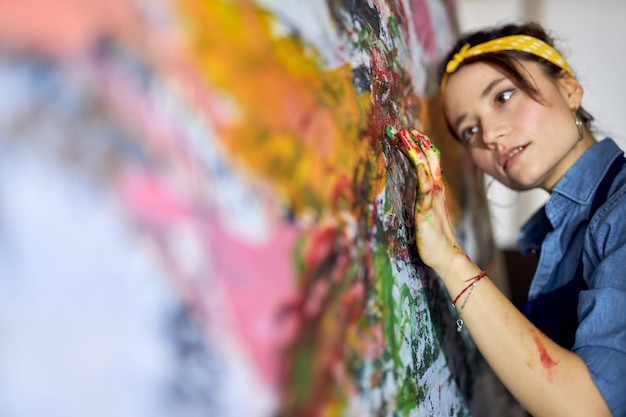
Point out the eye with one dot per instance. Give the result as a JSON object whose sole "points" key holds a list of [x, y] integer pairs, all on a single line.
{"points": [[504, 96], [467, 134]]}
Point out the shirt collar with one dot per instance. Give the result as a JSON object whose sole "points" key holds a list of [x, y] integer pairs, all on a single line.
{"points": [[580, 182], [578, 186]]}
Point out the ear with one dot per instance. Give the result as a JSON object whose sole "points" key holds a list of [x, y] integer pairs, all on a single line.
{"points": [[571, 89]]}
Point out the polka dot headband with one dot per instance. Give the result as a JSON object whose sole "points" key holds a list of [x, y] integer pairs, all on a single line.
{"points": [[522, 43]]}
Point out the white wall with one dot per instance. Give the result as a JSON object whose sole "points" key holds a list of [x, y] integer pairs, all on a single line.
{"points": [[591, 35]]}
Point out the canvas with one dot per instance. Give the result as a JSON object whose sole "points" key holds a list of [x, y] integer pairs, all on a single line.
{"points": [[200, 213]]}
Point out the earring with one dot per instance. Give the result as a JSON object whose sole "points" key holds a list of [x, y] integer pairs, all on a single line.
{"points": [[579, 124]]}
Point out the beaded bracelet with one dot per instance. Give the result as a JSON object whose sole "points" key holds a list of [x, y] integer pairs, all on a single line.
{"points": [[472, 284]]}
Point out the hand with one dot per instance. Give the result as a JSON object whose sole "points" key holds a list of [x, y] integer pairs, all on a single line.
{"points": [[434, 234]]}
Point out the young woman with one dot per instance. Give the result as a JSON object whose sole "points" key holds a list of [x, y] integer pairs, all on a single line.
{"points": [[513, 102]]}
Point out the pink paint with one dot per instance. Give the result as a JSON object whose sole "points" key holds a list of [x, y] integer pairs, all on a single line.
{"points": [[64, 26], [258, 281], [313, 304], [376, 346], [254, 281], [422, 24], [150, 199]]}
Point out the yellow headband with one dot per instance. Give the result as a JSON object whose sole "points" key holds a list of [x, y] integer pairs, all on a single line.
{"points": [[522, 43]]}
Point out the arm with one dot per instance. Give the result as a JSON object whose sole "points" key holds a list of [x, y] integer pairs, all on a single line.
{"points": [[547, 379]]}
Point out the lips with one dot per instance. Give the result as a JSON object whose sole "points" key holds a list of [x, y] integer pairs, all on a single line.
{"points": [[509, 156]]}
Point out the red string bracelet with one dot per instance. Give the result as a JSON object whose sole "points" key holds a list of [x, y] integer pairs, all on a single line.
{"points": [[472, 281]]}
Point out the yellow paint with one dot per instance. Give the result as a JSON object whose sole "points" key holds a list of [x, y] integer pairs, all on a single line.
{"points": [[301, 127]]}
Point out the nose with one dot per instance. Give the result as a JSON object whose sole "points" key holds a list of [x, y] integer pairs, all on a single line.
{"points": [[493, 132]]}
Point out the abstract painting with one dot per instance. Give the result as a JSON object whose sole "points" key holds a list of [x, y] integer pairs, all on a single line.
{"points": [[200, 214]]}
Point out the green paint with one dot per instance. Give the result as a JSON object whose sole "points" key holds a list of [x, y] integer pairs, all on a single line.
{"points": [[302, 376], [436, 151], [392, 24], [404, 320], [461, 412], [408, 396], [298, 259], [416, 322], [389, 131], [386, 282]]}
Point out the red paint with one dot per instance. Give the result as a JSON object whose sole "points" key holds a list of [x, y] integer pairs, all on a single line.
{"points": [[440, 388], [406, 141], [546, 360], [321, 245]]}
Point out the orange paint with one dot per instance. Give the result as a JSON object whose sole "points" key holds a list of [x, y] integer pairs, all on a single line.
{"points": [[296, 124]]}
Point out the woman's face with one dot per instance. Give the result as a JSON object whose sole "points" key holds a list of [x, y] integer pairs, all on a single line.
{"points": [[521, 142]]}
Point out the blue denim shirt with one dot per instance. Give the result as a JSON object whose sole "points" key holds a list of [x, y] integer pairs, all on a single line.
{"points": [[557, 231]]}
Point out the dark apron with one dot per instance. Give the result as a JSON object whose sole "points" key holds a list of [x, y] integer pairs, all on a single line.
{"points": [[556, 313]]}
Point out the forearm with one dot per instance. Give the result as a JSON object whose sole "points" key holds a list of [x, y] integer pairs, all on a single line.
{"points": [[547, 379], [544, 377]]}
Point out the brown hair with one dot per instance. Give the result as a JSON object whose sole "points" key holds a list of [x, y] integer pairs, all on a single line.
{"points": [[507, 60]]}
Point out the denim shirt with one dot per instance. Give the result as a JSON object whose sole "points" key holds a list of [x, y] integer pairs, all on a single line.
{"points": [[557, 231]]}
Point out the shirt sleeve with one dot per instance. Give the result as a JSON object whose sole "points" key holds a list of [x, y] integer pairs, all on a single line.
{"points": [[601, 335]]}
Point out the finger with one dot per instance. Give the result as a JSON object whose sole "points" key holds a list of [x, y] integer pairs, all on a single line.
{"points": [[391, 131], [392, 134], [432, 153], [409, 144], [411, 148], [402, 140], [425, 189]]}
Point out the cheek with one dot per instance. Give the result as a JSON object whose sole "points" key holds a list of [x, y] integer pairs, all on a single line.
{"points": [[550, 124], [528, 114], [483, 160], [549, 120]]}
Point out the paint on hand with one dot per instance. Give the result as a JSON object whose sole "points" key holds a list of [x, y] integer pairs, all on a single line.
{"points": [[406, 143], [411, 143]]}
